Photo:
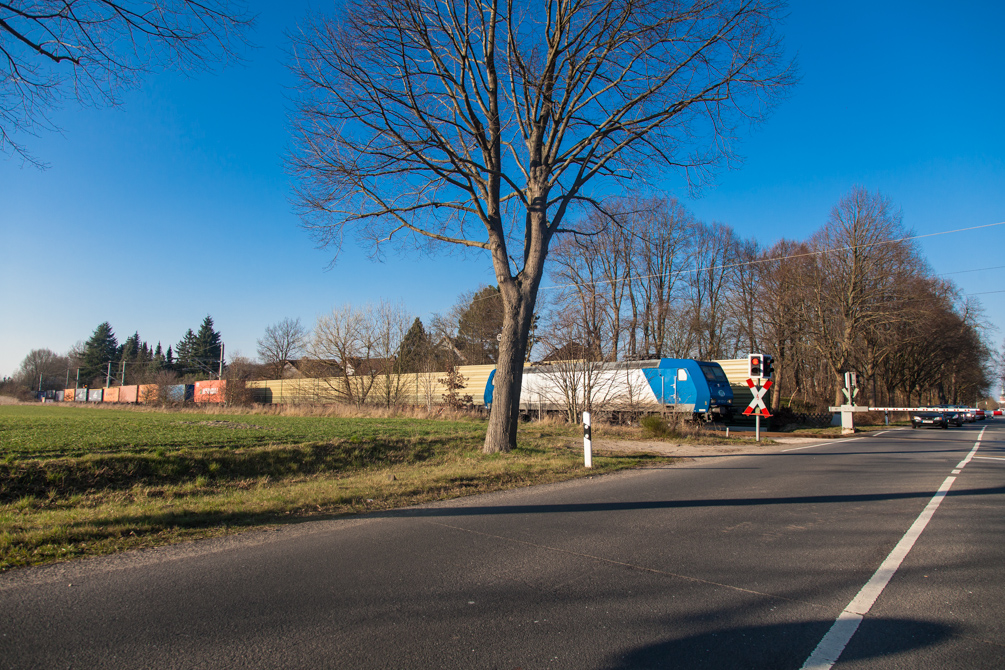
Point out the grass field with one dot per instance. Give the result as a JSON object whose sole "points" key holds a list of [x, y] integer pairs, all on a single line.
{"points": [[77, 481]]}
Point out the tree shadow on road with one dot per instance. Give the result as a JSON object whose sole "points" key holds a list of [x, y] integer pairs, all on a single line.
{"points": [[778, 646], [623, 506]]}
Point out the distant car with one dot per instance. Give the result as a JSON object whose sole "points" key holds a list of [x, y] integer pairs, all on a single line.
{"points": [[979, 415], [931, 419]]}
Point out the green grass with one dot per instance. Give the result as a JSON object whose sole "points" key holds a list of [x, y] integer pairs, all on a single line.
{"points": [[56, 431], [78, 481]]}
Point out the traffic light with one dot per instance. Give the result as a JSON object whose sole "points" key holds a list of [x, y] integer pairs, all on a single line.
{"points": [[754, 365], [767, 366]]}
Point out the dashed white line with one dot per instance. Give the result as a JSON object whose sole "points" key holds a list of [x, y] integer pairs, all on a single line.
{"points": [[834, 642]]}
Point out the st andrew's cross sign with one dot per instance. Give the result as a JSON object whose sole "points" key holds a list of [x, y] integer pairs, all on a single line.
{"points": [[757, 406]]}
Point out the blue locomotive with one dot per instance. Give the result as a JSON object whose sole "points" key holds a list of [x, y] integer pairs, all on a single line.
{"points": [[679, 385]]}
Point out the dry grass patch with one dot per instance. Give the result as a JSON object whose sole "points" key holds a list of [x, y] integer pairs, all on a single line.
{"points": [[88, 482]]}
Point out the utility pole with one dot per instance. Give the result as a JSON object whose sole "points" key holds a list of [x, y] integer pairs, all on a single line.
{"points": [[220, 374], [108, 376]]}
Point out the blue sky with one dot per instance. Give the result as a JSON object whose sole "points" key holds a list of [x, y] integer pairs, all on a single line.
{"points": [[175, 205]]}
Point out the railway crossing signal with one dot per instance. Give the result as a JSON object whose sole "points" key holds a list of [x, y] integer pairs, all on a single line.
{"points": [[760, 366], [757, 406]]}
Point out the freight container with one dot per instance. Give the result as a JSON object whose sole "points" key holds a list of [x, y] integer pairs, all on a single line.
{"points": [[211, 391], [95, 395], [128, 393], [260, 394], [179, 392], [111, 394], [68, 395], [147, 393]]}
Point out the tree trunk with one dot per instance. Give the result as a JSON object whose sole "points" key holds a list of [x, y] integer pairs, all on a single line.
{"points": [[505, 415], [519, 296]]}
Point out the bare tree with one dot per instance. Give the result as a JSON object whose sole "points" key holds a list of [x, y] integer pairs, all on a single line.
{"points": [[352, 351], [90, 50], [662, 243], [707, 287], [481, 124], [781, 299], [390, 323], [282, 343], [339, 342], [580, 311], [43, 370], [860, 277], [747, 300]]}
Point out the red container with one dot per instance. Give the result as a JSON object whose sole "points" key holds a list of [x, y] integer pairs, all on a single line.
{"points": [[210, 391], [128, 393]]}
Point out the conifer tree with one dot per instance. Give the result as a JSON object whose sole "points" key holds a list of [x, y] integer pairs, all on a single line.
{"points": [[184, 352], [479, 326], [415, 349], [130, 349], [207, 350], [99, 350]]}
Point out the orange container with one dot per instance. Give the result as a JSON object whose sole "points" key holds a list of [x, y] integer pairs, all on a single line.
{"points": [[128, 393], [147, 393], [111, 394], [68, 395], [213, 390]]}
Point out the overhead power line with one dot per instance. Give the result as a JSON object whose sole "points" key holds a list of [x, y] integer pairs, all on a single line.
{"points": [[958, 272]]}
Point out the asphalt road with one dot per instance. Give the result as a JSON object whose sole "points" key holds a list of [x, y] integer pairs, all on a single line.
{"points": [[743, 562]]}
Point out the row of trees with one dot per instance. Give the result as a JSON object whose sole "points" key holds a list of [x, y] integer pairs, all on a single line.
{"points": [[647, 280], [855, 296]]}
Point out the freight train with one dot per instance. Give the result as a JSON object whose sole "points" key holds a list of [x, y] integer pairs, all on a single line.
{"points": [[700, 388]]}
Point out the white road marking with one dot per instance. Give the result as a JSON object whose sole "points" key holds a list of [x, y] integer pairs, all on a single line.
{"points": [[822, 444], [974, 450], [988, 458], [834, 642]]}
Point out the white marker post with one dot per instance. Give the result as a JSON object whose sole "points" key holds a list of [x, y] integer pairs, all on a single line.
{"points": [[587, 441]]}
